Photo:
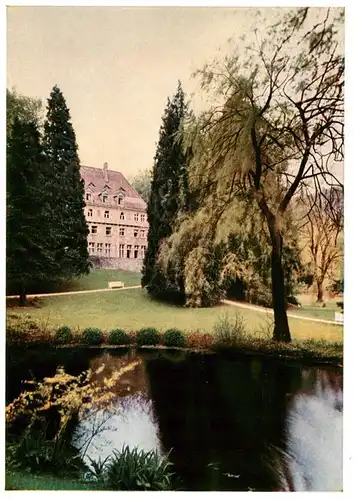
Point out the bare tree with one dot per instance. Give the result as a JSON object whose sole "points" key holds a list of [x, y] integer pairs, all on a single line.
{"points": [[322, 235], [277, 127]]}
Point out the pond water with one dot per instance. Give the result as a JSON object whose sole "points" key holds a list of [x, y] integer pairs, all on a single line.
{"points": [[234, 423]]}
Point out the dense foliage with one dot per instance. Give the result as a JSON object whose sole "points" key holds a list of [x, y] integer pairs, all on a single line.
{"points": [[63, 335], [67, 188], [174, 338], [168, 195], [92, 336], [30, 232], [147, 336], [118, 337]]}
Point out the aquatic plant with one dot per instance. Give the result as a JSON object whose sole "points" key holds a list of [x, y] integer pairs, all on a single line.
{"points": [[137, 470]]}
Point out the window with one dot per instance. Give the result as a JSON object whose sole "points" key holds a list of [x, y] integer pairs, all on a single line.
{"points": [[136, 248], [135, 232], [91, 247], [121, 251], [99, 248], [104, 198], [108, 231], [107, 248], [93, 229], [122, 216], [129, 249], [120, 199], [143, 252], [88, 196], [107, 214], [142, 217], [142, 233], [136, 217], [121, 231], [90, 212]]}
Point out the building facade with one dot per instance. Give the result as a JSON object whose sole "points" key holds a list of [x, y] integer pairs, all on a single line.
{"points": [[117, 219]]}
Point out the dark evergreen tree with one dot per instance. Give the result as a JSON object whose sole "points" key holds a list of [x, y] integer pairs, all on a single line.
{"points": [[169, 195], [67, 189], [30, 234]]}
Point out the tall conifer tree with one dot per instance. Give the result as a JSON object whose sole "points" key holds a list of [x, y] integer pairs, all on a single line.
{"points": [[30, 232], [169, 193], [67, 191]]}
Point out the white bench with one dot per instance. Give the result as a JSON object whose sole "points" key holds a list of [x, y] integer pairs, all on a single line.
{"points": [[115, 284], [339, 317]]}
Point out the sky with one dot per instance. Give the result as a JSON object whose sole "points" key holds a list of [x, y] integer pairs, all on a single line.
{"points": [[116, 67]]}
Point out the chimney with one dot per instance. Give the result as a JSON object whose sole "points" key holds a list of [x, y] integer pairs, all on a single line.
{"points": [[105, 172]]}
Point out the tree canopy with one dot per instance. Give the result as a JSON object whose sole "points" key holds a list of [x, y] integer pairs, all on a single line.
{"points": [[67, 187], [276, 128], [168, 194]]}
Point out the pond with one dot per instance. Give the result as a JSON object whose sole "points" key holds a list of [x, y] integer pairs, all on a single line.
{"points": [[234, 423]]}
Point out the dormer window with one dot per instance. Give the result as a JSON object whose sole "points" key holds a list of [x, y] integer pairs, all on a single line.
{"points": [[120, 199], [104, 198], [88, 197]]}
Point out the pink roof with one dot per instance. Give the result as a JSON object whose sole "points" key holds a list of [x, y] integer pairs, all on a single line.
{"points": [[115, 184]]}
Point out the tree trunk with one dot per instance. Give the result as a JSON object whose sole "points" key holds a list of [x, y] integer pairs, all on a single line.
{"points": [[22, 295], [281, 329], [319, 291]]}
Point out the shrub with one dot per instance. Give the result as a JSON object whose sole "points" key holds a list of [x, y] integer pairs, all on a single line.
{"points": [[118, 337], [148, 336], [92, 336], [174, 338], [63, 335], [228, 332], [36, 454], [133, 470], [198, 340]]}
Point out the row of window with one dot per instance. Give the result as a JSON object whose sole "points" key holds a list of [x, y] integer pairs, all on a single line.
{"points": [[124, 251], [108, 230], [122, 215], [119, 199]]}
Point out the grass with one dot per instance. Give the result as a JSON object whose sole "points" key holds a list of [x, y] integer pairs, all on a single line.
{"points": [[133, 309], [28, 481], [96, 280], [315, 311]]}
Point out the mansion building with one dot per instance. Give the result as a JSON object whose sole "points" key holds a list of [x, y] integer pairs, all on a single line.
{"points": [[117, 219]]}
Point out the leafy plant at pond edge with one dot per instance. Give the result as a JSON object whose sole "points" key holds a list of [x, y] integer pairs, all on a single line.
{"points": [[174, 338], [92, 336], [228, 332], [147, 336], [63, 335], [118, 337], [138, 470]]}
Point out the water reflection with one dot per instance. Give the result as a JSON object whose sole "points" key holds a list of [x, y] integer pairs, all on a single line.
{"points": [[312, 460], [131, 422], [223, 418]]}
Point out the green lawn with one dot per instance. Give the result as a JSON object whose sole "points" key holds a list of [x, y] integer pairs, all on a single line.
{"points": [[96, 280], [26, 481], [133, 309]]}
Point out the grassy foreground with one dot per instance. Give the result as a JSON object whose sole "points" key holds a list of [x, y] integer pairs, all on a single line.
{"points": [[133, 309], [28, 481]]}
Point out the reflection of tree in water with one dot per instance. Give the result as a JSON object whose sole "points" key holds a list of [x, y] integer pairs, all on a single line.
{"points": [[312, 460], [219, 416], [130, 421]]}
